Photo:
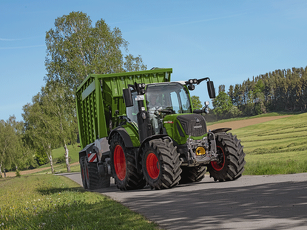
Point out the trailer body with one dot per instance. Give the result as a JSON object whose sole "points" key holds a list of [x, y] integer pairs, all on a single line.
{"points": [[100, 102]]}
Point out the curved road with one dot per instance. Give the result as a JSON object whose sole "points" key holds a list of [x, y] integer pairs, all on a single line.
{"points": [[251, 202]]}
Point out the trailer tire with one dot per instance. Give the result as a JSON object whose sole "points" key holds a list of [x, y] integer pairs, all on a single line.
{"points": [[123, 165], [161, 163], [83, 173], [231, 165], [92, 177], [192, 174]]}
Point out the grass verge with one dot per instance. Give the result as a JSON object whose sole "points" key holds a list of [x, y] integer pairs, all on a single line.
{"points": [[55, 202]]}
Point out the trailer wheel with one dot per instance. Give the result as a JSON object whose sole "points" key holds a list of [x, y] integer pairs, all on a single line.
{"points": [[83, 173], [92, 178], [192, 174], [231, 163], [161, 164], [123, 165]]}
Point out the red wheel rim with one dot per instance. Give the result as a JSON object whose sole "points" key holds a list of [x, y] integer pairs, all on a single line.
{"points": [[219, 166], [152, 166], [119, 162]]}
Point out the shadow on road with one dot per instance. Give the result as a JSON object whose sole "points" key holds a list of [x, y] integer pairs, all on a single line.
{"points": [[273, 206], [252, 202]]}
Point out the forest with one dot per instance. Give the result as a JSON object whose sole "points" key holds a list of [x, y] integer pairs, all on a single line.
{"points": [[277, 91]]}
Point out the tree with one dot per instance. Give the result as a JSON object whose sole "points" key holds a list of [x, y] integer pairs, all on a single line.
{"points": [[259, 97], [231, 94], [41, 125], [2, 145], [237, 95], [196, 102], [222, 104], [60, 107], [76, 49], [10, 143], [221, 88], [134, 63]]}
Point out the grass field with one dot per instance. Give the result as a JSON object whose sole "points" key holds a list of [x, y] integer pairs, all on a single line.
{"points": [[275, 147], [251, 117], [61, 167], [56, 202], [73, 153]]}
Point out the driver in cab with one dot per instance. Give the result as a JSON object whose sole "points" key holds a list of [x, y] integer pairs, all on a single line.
{"points": [[153, 107]]}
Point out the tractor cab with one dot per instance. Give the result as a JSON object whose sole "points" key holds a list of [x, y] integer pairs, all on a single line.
{"points": [[160, 100]]}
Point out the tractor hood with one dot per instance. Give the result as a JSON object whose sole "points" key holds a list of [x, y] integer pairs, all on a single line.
{"points": [[180, 126]]}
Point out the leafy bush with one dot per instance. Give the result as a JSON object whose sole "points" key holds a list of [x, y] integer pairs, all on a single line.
{"points": [[62, 159]]}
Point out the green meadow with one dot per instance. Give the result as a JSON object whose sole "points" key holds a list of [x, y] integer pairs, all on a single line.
{"points": [[73, 153], [275, 147], [56, 202]]}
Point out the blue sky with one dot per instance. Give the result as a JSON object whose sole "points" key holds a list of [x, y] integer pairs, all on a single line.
{"points": [[228, 41]]}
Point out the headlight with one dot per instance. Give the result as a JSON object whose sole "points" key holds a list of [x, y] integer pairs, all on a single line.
{"points": [[200, 151]]}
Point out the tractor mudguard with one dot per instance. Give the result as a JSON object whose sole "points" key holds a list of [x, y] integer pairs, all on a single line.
{"points": [[124, 135], [220, 130]]}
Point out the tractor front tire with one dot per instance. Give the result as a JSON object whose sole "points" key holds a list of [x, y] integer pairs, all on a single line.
{"points": [[161, 164], [123, 166], [231, 163], [192, 174]]}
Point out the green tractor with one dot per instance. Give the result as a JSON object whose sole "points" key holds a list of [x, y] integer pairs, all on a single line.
{"points": [[141, 129]]}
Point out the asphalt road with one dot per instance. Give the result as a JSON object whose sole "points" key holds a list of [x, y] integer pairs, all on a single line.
{"points": [[251, 202]]}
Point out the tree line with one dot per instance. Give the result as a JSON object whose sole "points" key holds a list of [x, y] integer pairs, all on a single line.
{"points": [[280, 90], [75, 49]]}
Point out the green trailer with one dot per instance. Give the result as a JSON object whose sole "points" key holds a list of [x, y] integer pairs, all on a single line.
{"points": [[141, 129]]}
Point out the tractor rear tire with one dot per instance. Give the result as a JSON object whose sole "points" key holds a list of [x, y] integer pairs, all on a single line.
{"points": [[231, 164], [123, 166], [192, 174], [161, 164]]}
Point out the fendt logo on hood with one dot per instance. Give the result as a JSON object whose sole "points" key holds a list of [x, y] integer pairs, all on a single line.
{"points": [[197, 122]]}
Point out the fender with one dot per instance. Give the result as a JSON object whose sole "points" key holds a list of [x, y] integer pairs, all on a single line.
{"points": [[220, 130], [124, 135], [139, 152], [89, 148]]}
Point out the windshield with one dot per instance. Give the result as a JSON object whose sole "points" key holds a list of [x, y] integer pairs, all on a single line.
{"points": [[172, 96]]}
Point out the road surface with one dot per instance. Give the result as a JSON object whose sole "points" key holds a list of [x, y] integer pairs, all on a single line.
{"points": [[251, 202]]}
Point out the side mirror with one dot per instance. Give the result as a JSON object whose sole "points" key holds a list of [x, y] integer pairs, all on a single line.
{"points": [[211, 90], [127, 97]]}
